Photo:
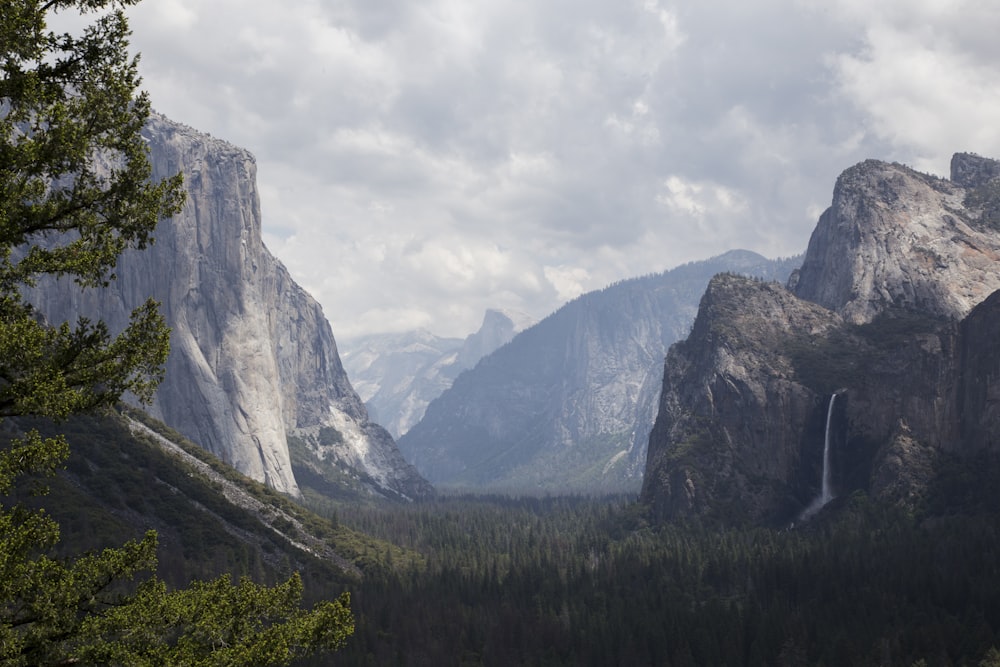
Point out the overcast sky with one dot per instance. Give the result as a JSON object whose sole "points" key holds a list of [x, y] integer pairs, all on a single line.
{"points": [[420, 161]]}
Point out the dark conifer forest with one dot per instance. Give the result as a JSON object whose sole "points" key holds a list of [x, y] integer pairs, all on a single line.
{"points": [[584, 581], [574, 580]]}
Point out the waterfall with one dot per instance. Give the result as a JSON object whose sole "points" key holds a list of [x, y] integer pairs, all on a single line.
{"points": [[826, 493], [826, 488]]}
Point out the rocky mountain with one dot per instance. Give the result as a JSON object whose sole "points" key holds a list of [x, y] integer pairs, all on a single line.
{"points": [[567, 405], [498, 328], [253, 359], [894, 311], [398, 374]]}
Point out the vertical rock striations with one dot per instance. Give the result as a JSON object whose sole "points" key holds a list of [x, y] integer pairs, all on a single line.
{"points": [[728, 436], [252, 356]]}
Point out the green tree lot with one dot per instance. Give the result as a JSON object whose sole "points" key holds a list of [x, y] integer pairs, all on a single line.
{"points": [[578, 581], [584, 581], [74, 194]]}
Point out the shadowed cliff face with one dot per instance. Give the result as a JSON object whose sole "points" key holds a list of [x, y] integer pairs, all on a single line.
{"points": [[252, 356], [880, 314], [733, 412]]}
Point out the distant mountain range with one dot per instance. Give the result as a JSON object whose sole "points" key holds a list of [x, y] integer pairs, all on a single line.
{"points": [[398, 374], [567, 405]]}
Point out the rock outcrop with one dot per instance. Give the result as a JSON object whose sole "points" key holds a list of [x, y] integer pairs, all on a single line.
{"points": [[895, 238], [567, 405], [252, 358], [884, 313], [498, 328], [733, 413]]}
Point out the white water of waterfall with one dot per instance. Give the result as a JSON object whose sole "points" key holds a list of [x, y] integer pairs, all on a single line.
{"points": [[826, 492], [826, 488]]}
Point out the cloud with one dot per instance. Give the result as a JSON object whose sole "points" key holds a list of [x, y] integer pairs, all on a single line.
{"points": [[422, 161], [569, 281], [927, 78]]}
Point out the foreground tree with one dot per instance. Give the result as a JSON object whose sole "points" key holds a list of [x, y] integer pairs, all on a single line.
{"points": [[74, 194]]}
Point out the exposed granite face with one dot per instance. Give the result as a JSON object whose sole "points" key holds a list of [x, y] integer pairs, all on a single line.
{"points": [[252, 356], [895, 238], [979, 384], [884, 313], [973, 171]]}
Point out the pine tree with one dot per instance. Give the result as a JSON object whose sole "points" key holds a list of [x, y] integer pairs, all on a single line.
{"points": [[75, 192]]}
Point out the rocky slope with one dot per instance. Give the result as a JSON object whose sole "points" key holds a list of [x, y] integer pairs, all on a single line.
{"points": [[567, 405], [252, 359], [398, 375], [884, 314]]}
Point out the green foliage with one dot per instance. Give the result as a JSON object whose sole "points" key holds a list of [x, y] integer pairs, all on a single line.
{"points": [[828, 363], [986, 199], [897, 326], [113, 472], [698, 439], [59, 371], [75, 192], [50, 601], [992, 658], [843, 356], [578, 581], [215, 623]]}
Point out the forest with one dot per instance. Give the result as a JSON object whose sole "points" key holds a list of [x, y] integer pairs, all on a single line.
{"points": [[585, 581], [496, 580]]}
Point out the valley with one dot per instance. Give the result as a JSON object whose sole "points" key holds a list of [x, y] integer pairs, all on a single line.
{"points": [[690, 454], [739, 461], [571, 580]]}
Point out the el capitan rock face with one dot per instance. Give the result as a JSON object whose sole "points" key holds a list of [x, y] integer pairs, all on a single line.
{"points": [[252, 356], [884, 312]]}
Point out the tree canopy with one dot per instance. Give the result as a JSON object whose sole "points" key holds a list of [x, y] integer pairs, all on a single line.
{"points": [[75, 192]]}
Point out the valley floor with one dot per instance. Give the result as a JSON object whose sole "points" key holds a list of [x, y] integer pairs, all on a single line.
{"points": [[578, 581]]}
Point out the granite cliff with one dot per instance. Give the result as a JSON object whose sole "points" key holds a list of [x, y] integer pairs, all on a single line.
{"points": [[567, 405], [253, 359], [891, 311]]}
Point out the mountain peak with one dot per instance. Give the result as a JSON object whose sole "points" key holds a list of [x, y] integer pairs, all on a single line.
{"points": [[498, 328], [896, 238]]}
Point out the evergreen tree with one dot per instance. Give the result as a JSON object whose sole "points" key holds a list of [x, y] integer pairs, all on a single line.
{"points": [[75, 192]]}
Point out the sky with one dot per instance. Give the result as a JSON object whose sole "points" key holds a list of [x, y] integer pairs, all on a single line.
{"points": [[420, 161]]}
